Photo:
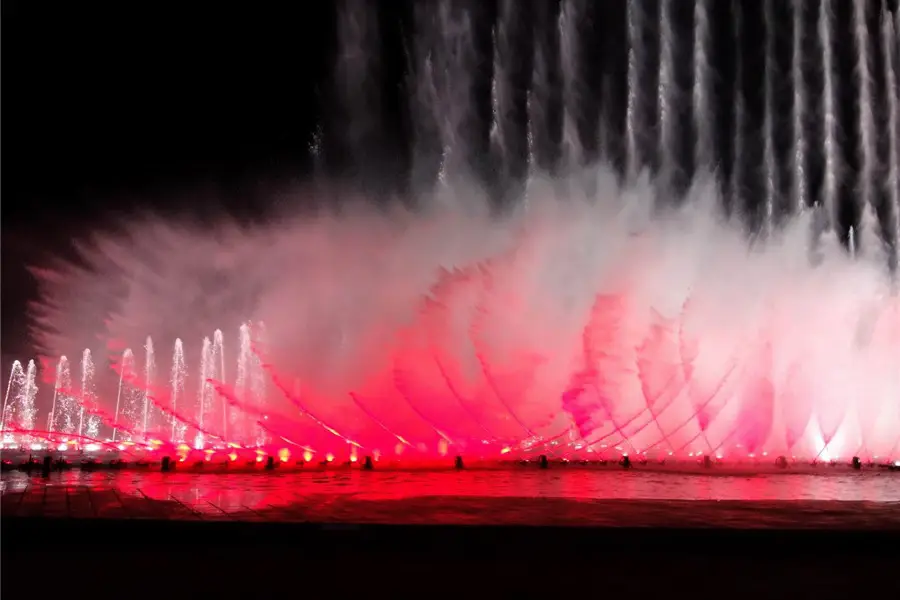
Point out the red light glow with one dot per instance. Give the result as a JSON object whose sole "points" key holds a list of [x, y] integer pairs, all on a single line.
{"points": [[647, 376]]}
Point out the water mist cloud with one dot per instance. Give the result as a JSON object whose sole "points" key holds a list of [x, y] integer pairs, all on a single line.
{"points": [[341, 295]]}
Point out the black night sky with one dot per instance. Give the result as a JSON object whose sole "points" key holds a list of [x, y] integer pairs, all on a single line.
{"points": [[174, 106]]}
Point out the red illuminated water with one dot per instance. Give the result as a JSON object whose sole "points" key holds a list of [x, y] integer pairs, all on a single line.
{"points": [[485, 497], [477, 370]]}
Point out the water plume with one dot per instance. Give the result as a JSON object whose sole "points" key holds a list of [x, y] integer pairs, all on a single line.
{"points": [[64, 409], [177, 386], [18, 403]]}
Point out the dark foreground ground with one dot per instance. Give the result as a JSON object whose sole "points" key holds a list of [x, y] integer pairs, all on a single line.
{"points": [[142, 556]]}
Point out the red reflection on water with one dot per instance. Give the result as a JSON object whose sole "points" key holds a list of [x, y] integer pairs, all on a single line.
{"points": [[248, 492]]}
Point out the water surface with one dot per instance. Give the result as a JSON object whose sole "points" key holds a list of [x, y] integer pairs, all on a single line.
{"points": [[572, 497]]}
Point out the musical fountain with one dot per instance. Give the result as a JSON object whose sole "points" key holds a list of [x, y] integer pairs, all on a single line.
{"points": [[619, 313]]}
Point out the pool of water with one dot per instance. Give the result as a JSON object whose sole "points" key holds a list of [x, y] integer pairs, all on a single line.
{"points": [[827, 499], [251, 489]]}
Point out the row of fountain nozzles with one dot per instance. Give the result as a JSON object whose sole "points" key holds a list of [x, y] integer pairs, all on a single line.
{"points": [[167, 464]]}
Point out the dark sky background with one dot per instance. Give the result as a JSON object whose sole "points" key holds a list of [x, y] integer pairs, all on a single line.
{"points": [[176, 106]]}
